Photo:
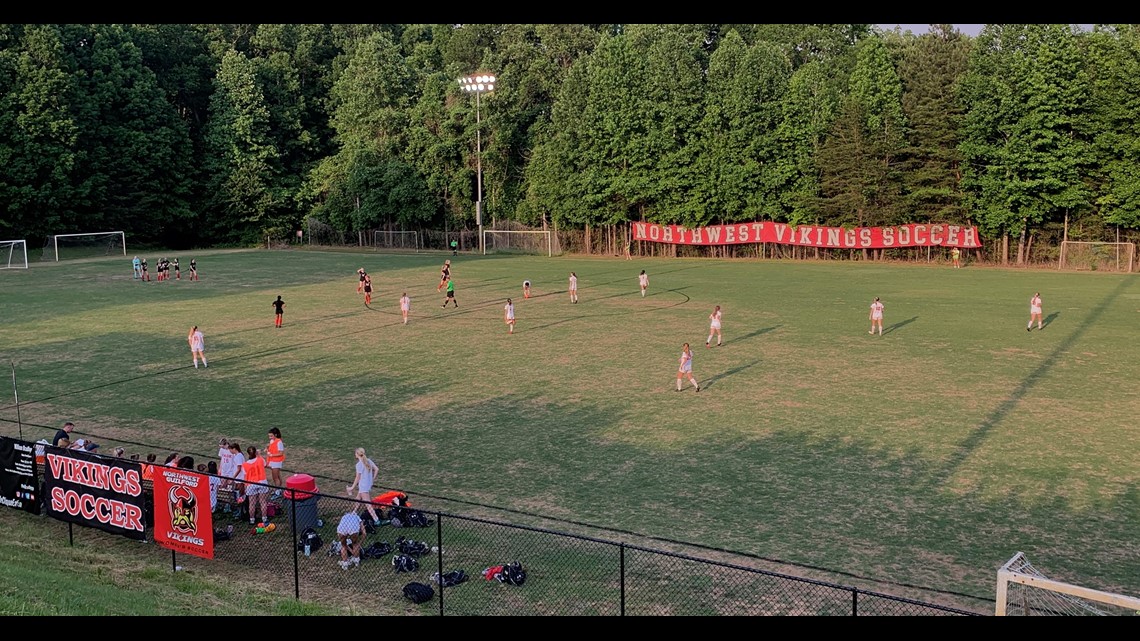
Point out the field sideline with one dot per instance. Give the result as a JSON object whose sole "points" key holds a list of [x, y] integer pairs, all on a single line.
{"points": [[926, 457]]}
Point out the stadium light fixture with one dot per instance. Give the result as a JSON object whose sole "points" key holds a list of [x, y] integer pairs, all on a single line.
{"points": [[478, 84]]}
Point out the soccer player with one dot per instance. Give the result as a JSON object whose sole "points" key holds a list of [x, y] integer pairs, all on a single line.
{"points": [[509, 316], [455, 248], [644, 280], [444, 274], [145, 272], [275, 455], [450, 293], [573, 287], [405, 306], [256, 493], [177, 270], [526, 289], [686, 368], [361, 488], [367, 290], [193, 269], [197, 346], [714, 327], [136, 264], [362, 275], [278, 311], [876, 316], [956, 254], [1034, 312]]}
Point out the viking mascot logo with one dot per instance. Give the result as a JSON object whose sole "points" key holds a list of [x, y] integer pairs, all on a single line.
{"points": [[183, 510]]}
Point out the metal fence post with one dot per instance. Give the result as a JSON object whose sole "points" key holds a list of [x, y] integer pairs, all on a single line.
{"points": [[296, 562], [621, 571], [439, 557]]}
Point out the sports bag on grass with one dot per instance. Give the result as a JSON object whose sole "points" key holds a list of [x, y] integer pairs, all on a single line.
{"points": [[418, 592], [404, 563]]}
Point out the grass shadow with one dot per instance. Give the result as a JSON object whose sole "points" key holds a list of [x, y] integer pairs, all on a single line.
{"points": [[725, 374], [1049, 319], [754, 334], [900, 324]]}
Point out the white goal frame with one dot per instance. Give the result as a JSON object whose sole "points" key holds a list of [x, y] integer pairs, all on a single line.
{"points": [[380, 233], [12, 245], [1126, 248], [1052, 597], [549, 237], [55, 240]]}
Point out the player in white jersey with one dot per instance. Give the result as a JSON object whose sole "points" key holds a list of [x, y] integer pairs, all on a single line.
{"points": [[405, 306], [686, 368], [643, 279], [227, 469], [714, 327], [1034, 312], [197, 346], [509, 316], [876, 316], [573, 287]]}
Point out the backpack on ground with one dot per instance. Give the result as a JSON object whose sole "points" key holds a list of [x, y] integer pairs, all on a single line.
{"points": [[511, 573], [377, 550], [412, 548], [309, 536], [418, 592], [404, 563], [455, 577]]}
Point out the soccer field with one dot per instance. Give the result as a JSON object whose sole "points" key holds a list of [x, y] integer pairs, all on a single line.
{"points": [[925, 457]]}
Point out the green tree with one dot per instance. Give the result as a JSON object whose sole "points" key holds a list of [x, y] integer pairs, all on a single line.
{"points": [[1026, 91], [1114, 122], [242, 162], [930, 68], [37, 135]]}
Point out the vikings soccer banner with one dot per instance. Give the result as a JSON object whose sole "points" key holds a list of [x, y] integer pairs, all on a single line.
{"points": [[182, 519], [94, 491], [18, 486], [919, 235]]}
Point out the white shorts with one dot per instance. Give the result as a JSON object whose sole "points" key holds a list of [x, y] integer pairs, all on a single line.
{"points": [[686, 369], [877, 317], [253, 490], [1034, 310], [365, 489], [715, 325], [276, 464]]}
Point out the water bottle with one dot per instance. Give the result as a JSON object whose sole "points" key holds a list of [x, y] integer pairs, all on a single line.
{"points": [[307, 549]]}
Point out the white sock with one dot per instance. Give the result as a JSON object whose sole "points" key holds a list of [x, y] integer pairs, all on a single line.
{"points": [[204, 363], [708, 340], [678, 385], [195, 363]]}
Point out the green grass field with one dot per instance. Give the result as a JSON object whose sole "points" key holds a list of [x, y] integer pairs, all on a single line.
{"points": [[924, 457]]}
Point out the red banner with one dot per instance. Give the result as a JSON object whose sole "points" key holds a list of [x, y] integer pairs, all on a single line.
{"points": [[182, 518], [918, 235]]}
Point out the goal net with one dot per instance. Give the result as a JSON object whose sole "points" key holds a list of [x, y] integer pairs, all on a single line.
{"points": [[498, 241], [92, 245], [1093, 256], [1022, 590], [13, 254], [385, 239]]}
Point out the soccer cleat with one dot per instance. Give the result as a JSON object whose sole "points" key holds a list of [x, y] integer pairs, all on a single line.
{"points": [[356, 560], [718, 344], [698, 388], [1028, 329], [343, 564], [707, 345]]}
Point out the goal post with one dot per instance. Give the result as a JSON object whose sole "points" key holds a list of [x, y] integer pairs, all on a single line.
{"points": [[13, 254], [1096, 256], [389, 239], [89, 245], [517, 241], [1022, 590]]}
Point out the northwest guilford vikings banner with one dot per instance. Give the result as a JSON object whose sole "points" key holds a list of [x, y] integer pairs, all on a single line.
{"points": [[182, 519], [18, 485], [96, 491], [923, 235]]}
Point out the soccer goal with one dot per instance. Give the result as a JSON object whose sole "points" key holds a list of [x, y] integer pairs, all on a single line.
{"points": [[497, 241], [1022, 590], [1091, 256], [90, 245], [13, 254], [384, 239]]}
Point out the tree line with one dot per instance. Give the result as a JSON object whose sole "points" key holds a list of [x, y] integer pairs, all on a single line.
{"points": [[220, 134]]}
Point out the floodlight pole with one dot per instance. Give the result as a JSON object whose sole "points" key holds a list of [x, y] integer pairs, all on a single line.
{"points": [[478, 84]]}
